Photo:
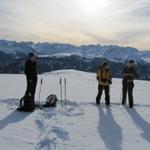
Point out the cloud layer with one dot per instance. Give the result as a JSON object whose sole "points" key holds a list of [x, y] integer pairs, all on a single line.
{"points": [[119, 22]]}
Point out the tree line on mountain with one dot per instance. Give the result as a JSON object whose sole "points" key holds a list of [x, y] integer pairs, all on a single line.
{"points": [[11, 64]]}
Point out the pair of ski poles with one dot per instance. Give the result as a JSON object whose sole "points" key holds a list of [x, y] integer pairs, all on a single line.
{"points": [[61, 92]]}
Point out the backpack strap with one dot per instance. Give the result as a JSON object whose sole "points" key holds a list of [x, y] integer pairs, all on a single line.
{"points": [[21, 102]]}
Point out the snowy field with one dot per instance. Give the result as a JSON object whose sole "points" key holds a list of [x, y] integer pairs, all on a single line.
{"points": [[82, 125]]}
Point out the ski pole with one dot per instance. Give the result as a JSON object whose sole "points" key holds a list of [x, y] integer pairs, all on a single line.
{"points": [[121, 96], [60, 83], [65, 94], [40, 91], [109, 93]]}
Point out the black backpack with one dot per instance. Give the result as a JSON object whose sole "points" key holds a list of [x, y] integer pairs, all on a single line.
{"points": [[27, 103], [51, 101]]}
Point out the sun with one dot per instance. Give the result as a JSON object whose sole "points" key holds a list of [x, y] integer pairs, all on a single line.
{"points": [[93, 6]]}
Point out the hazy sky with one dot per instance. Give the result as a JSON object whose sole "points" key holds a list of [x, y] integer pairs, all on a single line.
{"points": [[122, 22]]}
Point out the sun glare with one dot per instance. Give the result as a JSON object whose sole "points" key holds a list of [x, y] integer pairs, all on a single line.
{"points": [[92, 6]]}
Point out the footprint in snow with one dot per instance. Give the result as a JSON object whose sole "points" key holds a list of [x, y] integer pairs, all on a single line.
{"points": [[61, 133], [46, 144]]}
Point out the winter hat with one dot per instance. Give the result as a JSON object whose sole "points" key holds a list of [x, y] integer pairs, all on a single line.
{"points": [[131, 61], [105, 63], [31, 54]]}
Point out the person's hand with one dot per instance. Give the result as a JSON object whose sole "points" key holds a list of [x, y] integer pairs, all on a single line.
{"points": [[110, 81]]}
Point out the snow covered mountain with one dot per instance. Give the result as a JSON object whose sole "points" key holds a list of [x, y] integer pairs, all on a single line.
{"points": [[15, 48], [119, 54], [110, 52], [54, 56], [82, 125]]}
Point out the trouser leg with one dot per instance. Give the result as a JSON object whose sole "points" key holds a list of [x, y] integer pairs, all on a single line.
{"points": [[29, 87], [33, 87], [124, 93], [107, 95], [130, 94], [100, 90]]}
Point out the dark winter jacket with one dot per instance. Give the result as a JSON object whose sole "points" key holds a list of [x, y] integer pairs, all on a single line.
{"points": [[129, 74], [30, 69]]}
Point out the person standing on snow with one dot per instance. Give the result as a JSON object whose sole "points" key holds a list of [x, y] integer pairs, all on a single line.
{"points": [[31, 75], [104, 78], [129, 75]]}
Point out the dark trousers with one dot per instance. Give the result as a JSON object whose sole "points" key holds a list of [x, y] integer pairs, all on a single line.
{"points": [[31, 86], [128, 88], [100, 91]]}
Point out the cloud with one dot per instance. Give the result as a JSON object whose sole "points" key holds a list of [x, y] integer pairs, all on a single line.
{"points": [[129, 8], [121, 22], [133, 35], [144, 11], [100, 38]]}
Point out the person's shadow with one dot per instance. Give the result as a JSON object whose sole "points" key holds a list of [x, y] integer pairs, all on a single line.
{"points": [[14, 117], [109, 130], [140, 122]]}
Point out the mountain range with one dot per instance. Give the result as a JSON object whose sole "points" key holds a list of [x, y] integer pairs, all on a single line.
{"points": [[110, 52], [54, 56]]}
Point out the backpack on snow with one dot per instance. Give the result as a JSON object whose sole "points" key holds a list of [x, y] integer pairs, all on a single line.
{"points": [[27, 103], [51, 101]]}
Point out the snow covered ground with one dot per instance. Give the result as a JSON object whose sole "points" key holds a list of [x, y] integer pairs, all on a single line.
{"points": [[82, 126]]}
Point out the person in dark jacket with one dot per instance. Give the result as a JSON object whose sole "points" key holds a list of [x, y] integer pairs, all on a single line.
{"points": [[129, 75], [31, 74]]}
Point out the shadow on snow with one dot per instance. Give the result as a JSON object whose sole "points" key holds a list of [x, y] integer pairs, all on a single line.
{"points": [[109, 130], [141, 123], [14, 116]]}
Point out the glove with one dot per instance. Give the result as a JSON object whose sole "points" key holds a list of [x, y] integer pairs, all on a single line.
{"points": [[110, 81]]}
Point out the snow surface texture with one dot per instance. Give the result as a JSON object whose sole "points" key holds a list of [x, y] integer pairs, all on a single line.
{"points": [[82, 125]]}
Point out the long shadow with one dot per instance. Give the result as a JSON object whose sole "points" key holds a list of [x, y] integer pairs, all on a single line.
{"points": [[109, 130], [140, 122], [14, 117]]}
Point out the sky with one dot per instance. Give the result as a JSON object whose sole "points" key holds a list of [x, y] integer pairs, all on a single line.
{"points": [[117, 22]]}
